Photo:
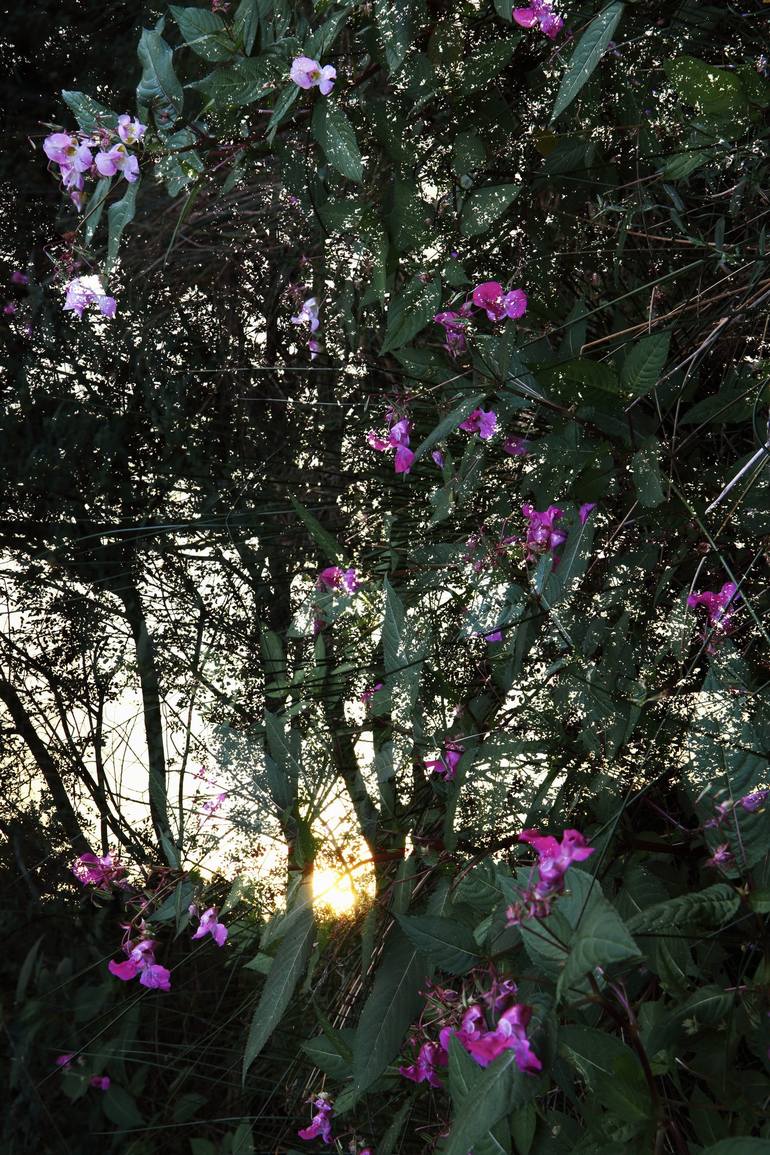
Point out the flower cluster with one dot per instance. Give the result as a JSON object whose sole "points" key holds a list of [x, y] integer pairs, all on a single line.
{"points": [[307, 73], [542, 533], [750, 803], [491, 297], [397, 437], [547, 880], [73, 153], [92, 870], [141, 962], [446, 764], [321, 1123], [539, 12]]}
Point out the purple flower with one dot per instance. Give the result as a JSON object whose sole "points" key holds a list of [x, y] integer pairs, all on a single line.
{"points": [[333, 578], [91, 870], [368, 694], [722, 856], [308, 315], [498, 304], [141, 961], [480, 422], [752, 802], [84, 291], [64, 149], [438, 457], [118, 159], [423, 1070], [555, 858], [509, 1034], [314, 348], [307, 73], [453, 324], [9, 308], [516, 446], [321, 1123], [64, 1060], [539, 12], [130, 131], [19, 278], [398, 439], [446, 764], [541, 533], [584, 511], [100, 1081], [210, 924], [717, 605]]}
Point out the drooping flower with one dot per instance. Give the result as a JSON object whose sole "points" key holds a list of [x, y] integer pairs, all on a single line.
{"points": [[210, 924], [130, 131], [438, 457], [453, 324], [539, 12], [141, 961], [541, 532], [480, 422], [423, 1070], [307, 73], [321, 1123], [308, 315], [333, 579], [446, 764], [118, 159], [100, 1081], [585, 510], [91, 870], [717, 605], [64, 1060], [498, 304], [397, 438], [722, 856], [84, 291], [752, 802]]}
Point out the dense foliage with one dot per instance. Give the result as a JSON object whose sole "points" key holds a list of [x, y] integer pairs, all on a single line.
{"points": [[370, 502]]}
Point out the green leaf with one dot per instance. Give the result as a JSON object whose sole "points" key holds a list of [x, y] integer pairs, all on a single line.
{"points": [[25, 972], [601, 939], [328, 1057], [468, 152], [395, 26], [588, 52], [240, 83], [448, 944], [203, 31], [448, 424], [707, 909], [611, 1070], [290, 962], [283, 770], [464, 1074], [159, 86], [484, 206], [323, 539], [119, 216], [478, 70], [282, 105], [120, 1107], [392, 630], [89, 113], [246, 24], [389, 1011], [645, 469], [714, 92], [336, 136], [410, 311], [643, 364], [95, 207]]}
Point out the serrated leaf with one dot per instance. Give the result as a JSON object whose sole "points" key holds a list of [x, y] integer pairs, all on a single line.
{"points": [[395, 26], [447, 943], [715, 92], [389, 1011], [588, 52], [645, 469], [159, 86], [89, 113], [289, 965], [707, 909], [484, 206], [323, 539], [120, 1107], [203, 31], [464, 1074], [611, 1070], [643, 364], [601, 939], [409, 312], [240, 83], [480, 69], [337, 138], [246, 24]]}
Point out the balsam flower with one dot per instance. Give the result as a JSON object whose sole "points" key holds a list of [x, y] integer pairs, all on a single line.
{"points": [[423, 1070], [141, 961], [717, 605], [516, 447], [397, 438], [508, 1035], [64, 149], [91, 870], [307, 73], [498, 304], [130, 130], [100, 1081], [752, 802], [446, 764], [210, 924], [539, 12], [64, 1060], [19, 278], [333, 579], [480, 422], [555, 858], [118, 159], [542, 534], [453, 323], [368, 694], [308, 315], [84, 291], [321, 1123]]}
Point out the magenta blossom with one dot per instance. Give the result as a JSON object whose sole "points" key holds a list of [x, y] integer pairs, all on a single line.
{"points": [[141, 961], [508, 1035], [64, 149], [368, 694], [210, 924], [539, 12], [100, 1081], [446, 764], [64, 1060], [752, 802], [308, 315], [717, 605], [84, 291], [423, 1070], [585, 510], [480, 422], [321, 1123], [498, 304], [91, 870], [118, 159], [10, 308], [398, 438], [19, 278], [722, 856], [333, 579], [453, 324], [130, 131], [542, 534], [438, 458], [307, 73], [516, 447], [555, 858]]}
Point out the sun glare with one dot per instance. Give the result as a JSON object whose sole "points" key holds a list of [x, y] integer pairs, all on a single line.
{"points": [[335, 890]]}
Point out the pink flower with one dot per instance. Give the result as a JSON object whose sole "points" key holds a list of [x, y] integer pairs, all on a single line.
{"points": [[100, 1081], [9, 308], [314, 348], [555, 858], [509, 1034], [398, 439], [321, 1123], [584, 511], [540, 12], [130, 131], [141, 961], [19, 278], [717, 605], [453, 325], [308, 315], [438, 457], [446, 764], [498, 304], [480, 422], [213, 804], [722, 856], [541, 533], [423, 1070], [84, 291], [118, 159], [307, 73], [210, 924], [64, 1060], [333, 578], [516, 446], [91, 870], [64, 149]]}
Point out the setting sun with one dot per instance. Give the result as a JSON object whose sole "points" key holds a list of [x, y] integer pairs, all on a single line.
{"points": [[336, 890]]}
